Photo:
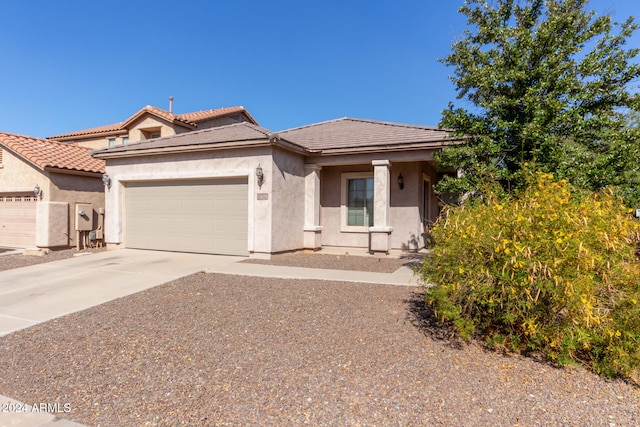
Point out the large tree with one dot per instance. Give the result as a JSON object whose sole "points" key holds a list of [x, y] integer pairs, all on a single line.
{"points": [[545, 82]]}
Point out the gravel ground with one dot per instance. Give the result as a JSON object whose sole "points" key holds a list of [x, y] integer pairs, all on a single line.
{"points": [[9, 262], [340, 262], [213, 349]]}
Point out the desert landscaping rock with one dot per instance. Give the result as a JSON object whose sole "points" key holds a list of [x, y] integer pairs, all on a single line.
{"points": [[212, 349]]}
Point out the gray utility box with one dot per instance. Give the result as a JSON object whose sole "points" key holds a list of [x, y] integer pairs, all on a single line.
{"points": [[84, 217]]}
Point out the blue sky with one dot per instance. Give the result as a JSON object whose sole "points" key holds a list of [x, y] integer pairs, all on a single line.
{"points": [[79, 64]]}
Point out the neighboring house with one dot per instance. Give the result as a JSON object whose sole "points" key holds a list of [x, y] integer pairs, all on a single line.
{"points": [[244, 190], [42, 186], [152, 122]]}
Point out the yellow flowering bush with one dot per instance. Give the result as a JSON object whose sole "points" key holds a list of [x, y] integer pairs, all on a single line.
{"points": [[553, 270]]}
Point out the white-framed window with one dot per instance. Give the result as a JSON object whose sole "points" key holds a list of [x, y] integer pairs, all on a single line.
{"points": [[356, 207], [125, 140], [112, 142]]}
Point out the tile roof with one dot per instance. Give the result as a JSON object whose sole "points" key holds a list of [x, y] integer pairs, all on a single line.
{"points": [[159, 112], [199, 116], [115, 128], [235, 133], [186, 119], [331, 137], [348, 133], [51, 154]]}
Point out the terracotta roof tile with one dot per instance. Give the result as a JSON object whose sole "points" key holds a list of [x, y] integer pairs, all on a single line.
{"points": [[159, 112], [188, 119], [107, 129], [199, 116], [349, 133], [51, 154]]}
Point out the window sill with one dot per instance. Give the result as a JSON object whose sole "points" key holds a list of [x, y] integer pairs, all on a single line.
{"points": [[354, 229]]}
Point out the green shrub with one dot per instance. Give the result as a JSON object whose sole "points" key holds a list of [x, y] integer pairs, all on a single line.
{"points": [[552, 270]]}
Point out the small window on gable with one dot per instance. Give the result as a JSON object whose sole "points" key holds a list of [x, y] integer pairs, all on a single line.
{"points": [[151, 133], [112, 142]]}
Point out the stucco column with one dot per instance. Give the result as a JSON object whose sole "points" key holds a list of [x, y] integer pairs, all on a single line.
{"points": [[312, 228], [381, 230]]}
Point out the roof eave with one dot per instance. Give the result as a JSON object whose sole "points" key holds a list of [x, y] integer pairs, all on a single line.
{"points": [[65, 171], [21, 156], [122, 153], [185, 124], [430, 145], [249, 116], [64, 138]]}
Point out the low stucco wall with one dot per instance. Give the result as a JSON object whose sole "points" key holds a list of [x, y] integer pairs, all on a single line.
{"points": [[55, 212], [72, 190]]}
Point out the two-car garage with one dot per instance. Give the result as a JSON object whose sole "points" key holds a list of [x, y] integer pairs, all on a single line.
{"points": [[200, 215]]}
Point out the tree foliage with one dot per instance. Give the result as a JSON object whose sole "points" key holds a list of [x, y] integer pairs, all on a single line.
{"points": [[546, 82], [551, 269]]}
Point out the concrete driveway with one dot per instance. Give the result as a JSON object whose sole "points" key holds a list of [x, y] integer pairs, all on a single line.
{"points": [[38, 293]]}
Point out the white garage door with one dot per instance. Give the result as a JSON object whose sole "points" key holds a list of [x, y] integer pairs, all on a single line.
{"points": [[204, 216], [17, 220]]}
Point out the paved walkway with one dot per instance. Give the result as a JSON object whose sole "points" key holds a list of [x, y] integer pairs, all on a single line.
{"points": [[42, 292], [401, 277]]}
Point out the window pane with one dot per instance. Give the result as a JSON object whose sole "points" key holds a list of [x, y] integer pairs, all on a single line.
{"points": [[355, 216], [360, 202], [369, 209]]}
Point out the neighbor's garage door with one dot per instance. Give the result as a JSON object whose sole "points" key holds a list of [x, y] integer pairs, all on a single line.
{"points": [[17, 221], [205, 216]]}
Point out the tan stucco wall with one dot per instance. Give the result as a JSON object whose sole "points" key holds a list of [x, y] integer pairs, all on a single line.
{"points": [[75, 189], [287, 193], [404, 212], [16, 175], [228, 163], [135, 131], [406, 206], [95, 143], [146, 122]]}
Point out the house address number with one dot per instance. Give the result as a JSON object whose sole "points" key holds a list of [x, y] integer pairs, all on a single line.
{"points": [[263, 196]]}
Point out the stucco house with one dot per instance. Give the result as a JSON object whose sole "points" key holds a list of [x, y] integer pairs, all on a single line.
{"points": [[153, 122], [244, 190], [43, 185]]}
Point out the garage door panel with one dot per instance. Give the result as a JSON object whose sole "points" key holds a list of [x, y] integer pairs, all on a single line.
{"points": [[208, 216], [17, 221]]}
